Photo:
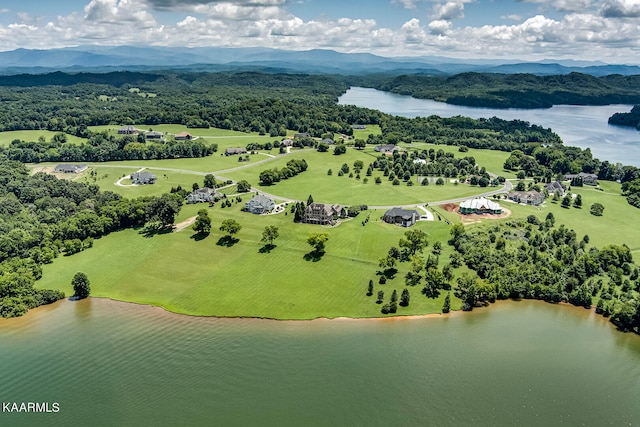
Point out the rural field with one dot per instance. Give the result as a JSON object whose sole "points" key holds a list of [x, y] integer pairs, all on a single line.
{"points": [[33, 135], [205, 276], [202, 277]]}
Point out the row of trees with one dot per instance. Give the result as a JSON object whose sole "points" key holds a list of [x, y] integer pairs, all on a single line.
{"points": [[293, 168]]}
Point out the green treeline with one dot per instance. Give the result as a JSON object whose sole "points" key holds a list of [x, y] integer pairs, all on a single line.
{"points": [[535, 259], [513, 90], [631, 119], [42, 217]]}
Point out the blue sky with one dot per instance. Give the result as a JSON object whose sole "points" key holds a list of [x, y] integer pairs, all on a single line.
{"points": [[606, 30]]}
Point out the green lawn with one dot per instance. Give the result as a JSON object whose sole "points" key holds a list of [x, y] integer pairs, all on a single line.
{"points": [[188, 276], [345, 190], [32, 136], [201, 277]]}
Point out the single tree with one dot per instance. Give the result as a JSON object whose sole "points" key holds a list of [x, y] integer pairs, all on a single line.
{"points": [[370, 288], [195, 186], [203, 222], [81, 285], [566, 201], [446, 307], [380, 297], [209, 181], [577, 203], [394, 296], [230, 226], [317, 241], [597, 209], [244, 186], [269, 234], [309, 200], [404, 298]]}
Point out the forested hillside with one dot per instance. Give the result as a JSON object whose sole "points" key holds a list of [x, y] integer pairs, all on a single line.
{"points": [[513, 90]]}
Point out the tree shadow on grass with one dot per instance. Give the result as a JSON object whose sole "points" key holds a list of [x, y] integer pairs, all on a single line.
{"points": [[151, 230], [199, 236], [314, 256], [227, 241], [267, 248]]}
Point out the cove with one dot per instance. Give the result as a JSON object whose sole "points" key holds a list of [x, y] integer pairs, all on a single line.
{"points": [[515, 363], [577, 125]]}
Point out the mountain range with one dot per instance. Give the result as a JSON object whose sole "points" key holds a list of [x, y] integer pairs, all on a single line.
{"points": [[135, 58]]}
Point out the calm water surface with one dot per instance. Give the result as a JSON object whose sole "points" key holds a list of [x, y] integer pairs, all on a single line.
{"points": [[517, 363], [581, 126]]}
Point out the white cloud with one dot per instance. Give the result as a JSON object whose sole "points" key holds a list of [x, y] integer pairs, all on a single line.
{"points": [[449, 11], [596, 34], [511, 17], [621, 9], [439, 27], [407, 4], [564, 5], [117, 12]]}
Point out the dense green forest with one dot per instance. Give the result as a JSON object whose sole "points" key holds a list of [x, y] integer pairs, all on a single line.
{"points": [[512, 90], [537, 259], [631, 118], [42, 217]]}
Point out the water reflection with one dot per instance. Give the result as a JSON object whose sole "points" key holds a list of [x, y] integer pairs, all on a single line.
{"points": [[581, 126]]}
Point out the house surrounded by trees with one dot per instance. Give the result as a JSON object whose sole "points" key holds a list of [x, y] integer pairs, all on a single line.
{"points": [[320, 213], [203, 195]]}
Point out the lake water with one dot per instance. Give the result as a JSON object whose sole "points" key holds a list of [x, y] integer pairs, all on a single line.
{"points": [[516, 363], [581, 126]]}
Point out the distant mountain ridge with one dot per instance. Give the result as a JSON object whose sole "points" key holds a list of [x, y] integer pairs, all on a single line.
{"points": [[317, 61]]}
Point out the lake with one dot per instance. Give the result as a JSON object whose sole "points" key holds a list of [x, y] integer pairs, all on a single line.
{"points": [[515, 363], [581, 126]]}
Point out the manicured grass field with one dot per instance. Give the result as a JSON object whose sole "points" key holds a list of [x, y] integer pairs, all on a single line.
{"points": [[200, 277], [345, 190], [32, 136]]}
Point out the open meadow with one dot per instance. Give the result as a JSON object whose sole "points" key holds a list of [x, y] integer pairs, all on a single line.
{"points": [[204, 277], [33, 136]]}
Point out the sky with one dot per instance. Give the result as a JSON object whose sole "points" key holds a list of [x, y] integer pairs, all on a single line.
{"points": [[602, 30]]}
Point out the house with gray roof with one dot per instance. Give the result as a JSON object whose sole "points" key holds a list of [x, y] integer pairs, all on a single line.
{"points": [[203, 195], [128, 130], [234, 151], [386, 148], [587, 178], [141, 178], [402, 217], [533, 197], [66, 168], [259, 204], [556, 187], [154, 135]]}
